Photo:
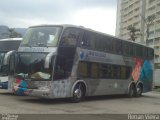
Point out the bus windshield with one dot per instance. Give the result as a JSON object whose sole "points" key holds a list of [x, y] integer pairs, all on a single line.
{"points": [[41, 37], [7, 45], [3, 69], [31, 66]]}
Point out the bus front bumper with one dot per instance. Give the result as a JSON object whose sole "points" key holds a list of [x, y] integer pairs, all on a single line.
{"points": [[40, 93]]}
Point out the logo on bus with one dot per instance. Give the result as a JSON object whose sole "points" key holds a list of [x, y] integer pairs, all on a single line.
{"points": [[82, 55]]}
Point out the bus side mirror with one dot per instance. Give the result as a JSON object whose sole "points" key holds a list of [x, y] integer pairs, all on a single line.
{"points": [[7, 57], [48, 60]]}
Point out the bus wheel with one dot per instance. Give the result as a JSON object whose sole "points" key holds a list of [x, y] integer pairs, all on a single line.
{"points": [[78, 93], [132, 91], [139, 90]]}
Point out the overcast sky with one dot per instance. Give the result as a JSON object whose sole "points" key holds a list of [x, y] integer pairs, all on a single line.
{"points": [[99, 15]]}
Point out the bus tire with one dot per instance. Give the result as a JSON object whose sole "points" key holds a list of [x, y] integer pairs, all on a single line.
{"points": [[78, 93], [132, 91], [139, 90]]}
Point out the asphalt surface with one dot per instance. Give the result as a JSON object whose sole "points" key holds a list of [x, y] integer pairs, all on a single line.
{"points": [[112, 107]]}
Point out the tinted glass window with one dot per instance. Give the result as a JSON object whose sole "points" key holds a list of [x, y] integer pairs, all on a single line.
{"points": [[70, 37], [9, 45], [100, 43], [109, 44], [104, 71], [94, 70], [63, 67], [118, 46], [126, 49], [145, 52], [3, 68], [82, 69], [101, 70], [31, 65], [41, 36], [150, 53], [139, 51], [92, 40], [113, 45], [114, 71], [131, 49], [85, 42]]}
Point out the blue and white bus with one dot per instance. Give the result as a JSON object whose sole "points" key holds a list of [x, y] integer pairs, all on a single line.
{"points": [[66, 61], [6, 45]]}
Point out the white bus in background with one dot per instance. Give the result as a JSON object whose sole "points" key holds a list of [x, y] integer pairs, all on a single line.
{"points": [[6, 45], [66, 61]]}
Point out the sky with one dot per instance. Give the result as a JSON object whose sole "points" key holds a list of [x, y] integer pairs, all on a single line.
{"points": [[98, 15]]}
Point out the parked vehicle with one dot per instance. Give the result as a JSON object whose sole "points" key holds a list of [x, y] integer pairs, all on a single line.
{"points": [[6, 45], [66, 61]]}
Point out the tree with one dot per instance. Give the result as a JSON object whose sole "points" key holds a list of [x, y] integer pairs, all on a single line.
{"points": [[133, 32], [12, 33]]}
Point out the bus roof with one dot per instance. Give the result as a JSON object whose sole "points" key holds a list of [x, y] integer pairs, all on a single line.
{"points": [[11, 39], [88, 29]]}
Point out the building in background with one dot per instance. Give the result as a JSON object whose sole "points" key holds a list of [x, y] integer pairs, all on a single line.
{"points": [[136, 13], [131, 13], [153, 8]]}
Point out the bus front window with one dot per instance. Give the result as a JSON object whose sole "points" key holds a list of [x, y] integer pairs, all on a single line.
{"points": [[1, 58], [41, 37], [31, 66], [3, 68]]}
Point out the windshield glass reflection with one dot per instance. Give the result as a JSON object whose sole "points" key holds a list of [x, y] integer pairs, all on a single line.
{"points": [[41, 37], [31, 66]]}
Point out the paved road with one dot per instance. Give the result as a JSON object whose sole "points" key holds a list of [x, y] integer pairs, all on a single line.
{"points": [[119, 104]]}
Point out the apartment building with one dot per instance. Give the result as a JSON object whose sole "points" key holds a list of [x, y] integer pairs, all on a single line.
{"points": [[135, 13], [131, 13], [153, 8]]}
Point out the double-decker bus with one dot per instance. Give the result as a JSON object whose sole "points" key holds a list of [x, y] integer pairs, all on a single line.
{"points": [[6, 45], [66, 61]]}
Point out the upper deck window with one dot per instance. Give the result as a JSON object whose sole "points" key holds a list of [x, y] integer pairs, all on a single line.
{"points": [[70, 37], [41, 37]]}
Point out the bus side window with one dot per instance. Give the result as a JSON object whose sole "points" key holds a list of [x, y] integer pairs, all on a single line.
{"points": [[125, 72], [82, 70], [109, 44], [145, 52], [113, 45], [92, 41], [116, 71], [150, 53], [94, 70], [125, 47], [84, 41], [138, 51], [118, 46], [89, 40], [100, 42], [70, 37], [104, 71], [131, 52]]}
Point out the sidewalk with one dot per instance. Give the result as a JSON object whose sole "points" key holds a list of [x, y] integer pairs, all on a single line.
{"points": [[156, 90]]}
